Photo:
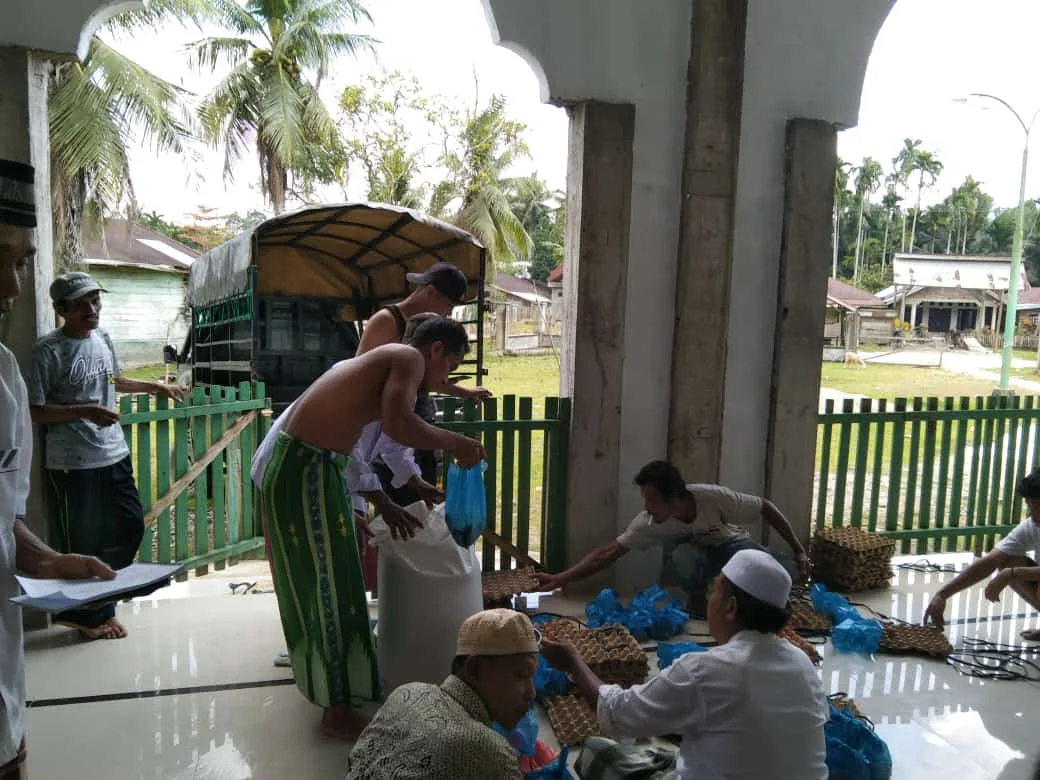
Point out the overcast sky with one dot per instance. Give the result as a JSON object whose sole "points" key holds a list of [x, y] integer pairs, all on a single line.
{"points": [[928, 53]]}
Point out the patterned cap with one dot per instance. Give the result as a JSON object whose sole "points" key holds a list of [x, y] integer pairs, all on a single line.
{"points": [[17, 195], [497, 632]]}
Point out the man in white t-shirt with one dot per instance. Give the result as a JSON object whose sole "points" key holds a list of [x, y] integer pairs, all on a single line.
{"points": [[700, 527], [1010, 559]]}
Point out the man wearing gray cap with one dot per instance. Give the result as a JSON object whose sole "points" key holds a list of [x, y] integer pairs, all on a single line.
{"points": [[19, 547], [750, 708], [430, 732], [91, 494]]}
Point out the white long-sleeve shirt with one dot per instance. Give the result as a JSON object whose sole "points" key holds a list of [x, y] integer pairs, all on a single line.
{"points": [[751, 709], [15, 458]]}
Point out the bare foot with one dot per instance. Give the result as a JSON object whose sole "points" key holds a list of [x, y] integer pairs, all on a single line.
{"points": [[110, 629], [1032, 635], [342, 721]]}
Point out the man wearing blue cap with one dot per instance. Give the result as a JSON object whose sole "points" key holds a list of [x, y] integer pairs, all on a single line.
{"points": [[91, 494], [19, 547]]}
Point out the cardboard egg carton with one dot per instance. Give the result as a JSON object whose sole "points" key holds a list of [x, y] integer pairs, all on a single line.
{"points": [[499, 587], [922, 640], [852, 559], [572, 719], [805, 618], [611, 652]]}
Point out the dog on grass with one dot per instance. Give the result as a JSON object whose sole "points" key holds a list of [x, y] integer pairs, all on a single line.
{"points": [[854, 359]]}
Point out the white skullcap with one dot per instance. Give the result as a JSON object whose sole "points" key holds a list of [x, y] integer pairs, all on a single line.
{"points": [[760, 575]]}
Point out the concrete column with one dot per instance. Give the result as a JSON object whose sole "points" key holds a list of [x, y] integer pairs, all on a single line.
{"points": [[926, 316], [713, 113], [801, 312], [24, 138], [599, 193], [913, 315]]}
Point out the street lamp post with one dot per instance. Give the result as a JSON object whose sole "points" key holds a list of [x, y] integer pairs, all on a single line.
{"points": [[1014, 280]]}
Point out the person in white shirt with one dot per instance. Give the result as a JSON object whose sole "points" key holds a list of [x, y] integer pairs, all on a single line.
{"points": [[700, 526], [751, 708], [20, 549], [1010, 559]]}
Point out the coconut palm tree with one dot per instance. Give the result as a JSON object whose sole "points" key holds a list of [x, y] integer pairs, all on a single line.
{"points": [[489, 143], [868, 179], [890, 204], [96, 108], [913, 159], [279, 52]]}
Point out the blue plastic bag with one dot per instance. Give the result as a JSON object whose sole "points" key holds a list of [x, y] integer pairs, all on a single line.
{"points": [[668, 653], [857, 636], [549, 681], [836, 607], [854, 751], [524, 736], [465, 509]]}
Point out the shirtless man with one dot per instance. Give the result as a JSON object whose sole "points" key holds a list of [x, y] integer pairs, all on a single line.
{"points": [[317, 574]]}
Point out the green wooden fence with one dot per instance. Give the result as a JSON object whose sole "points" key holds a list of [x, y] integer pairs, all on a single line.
{"points": [[937, 474], [526, 477], [191, 461]]}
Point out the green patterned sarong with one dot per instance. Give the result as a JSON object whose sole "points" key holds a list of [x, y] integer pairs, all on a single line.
{"points": [[317, 574]]}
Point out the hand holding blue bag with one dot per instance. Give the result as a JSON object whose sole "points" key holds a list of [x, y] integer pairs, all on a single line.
{"points": [[466, 503]]}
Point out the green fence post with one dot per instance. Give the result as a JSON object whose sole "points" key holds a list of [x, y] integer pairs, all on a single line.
{"points": [[824, 462], [508, 477], [491, 477], [895, 478], [859, 476], [555, 555], [163, 457], [523, 486], [928, 466], [200, 443], [143, 471], [842, 475], [216, 469], [879, 465]]}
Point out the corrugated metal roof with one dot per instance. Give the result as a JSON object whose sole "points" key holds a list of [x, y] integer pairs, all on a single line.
{"points": [[128, 242]]}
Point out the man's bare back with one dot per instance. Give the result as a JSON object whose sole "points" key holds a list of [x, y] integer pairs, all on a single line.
{"points": [[380, 385]]}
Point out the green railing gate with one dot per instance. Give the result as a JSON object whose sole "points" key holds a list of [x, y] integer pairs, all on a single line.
{"points": [[192, 462], [526, 479], [937, 474]]}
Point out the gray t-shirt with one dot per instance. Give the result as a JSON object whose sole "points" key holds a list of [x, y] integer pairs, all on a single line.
{"points": [[722, 516], [67, 371]]}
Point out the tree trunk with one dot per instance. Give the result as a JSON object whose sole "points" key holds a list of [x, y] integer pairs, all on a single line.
{"points": [[859, 242], [917, 210], [884, 244], [902, 231]]}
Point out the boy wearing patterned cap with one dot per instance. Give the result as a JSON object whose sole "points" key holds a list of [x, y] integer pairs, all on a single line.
{"points": [[430, 732], [754, 688]]}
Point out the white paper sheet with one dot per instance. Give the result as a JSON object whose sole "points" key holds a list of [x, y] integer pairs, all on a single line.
{"points": [[133, 577]]}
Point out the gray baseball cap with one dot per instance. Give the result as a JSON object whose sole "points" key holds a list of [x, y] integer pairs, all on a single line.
{"points": [[73, 286]]}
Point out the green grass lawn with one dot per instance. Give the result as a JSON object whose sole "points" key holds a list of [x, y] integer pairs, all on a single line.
{"points": [[879, 380]]}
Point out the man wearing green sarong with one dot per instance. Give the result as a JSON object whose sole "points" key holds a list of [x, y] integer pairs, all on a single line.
{"points": [[317, 574]]}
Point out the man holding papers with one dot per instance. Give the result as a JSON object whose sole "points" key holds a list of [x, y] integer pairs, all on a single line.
{"points": [[19, 547]]}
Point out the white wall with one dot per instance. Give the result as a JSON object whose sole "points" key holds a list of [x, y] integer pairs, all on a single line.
{"points": [[625, 51], [142, 312]]}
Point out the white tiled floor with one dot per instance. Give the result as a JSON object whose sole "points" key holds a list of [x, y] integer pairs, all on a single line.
{"points": [[193, 694]]}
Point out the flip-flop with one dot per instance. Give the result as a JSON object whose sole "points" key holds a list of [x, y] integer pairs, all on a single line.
{"points": [[282, 660]]}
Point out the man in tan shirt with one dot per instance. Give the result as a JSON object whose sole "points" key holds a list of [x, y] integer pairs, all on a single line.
{"points": [[700, 527]]}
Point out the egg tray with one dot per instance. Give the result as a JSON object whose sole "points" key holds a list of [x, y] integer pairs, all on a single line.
{"points": [[611, 652], [853, 581], [801, 643], [919, 640], [499, 587], [806, 619], [572, 719], [855, 542]]}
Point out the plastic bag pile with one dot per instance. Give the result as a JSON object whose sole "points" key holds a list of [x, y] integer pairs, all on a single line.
{"points": [[536, 759], [852, 633], [854, 752], [650, 615]]}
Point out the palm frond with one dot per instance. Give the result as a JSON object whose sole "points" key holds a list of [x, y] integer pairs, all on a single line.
{"points": [[313, 49], [147, 17], [231, 113], [209, 53], [280, 124]]}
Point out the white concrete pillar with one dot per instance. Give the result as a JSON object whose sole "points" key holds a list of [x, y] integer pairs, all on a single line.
{"points": [[913, 316], [926, 316]]}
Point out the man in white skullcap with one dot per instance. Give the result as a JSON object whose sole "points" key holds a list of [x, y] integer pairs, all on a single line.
{"points": [[430, 732], [753, 707]]}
